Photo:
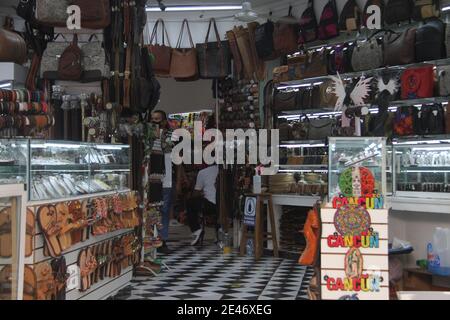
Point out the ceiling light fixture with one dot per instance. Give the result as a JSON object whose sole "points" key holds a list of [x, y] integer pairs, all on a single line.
{"points": [[445, 8], [195, 8]]}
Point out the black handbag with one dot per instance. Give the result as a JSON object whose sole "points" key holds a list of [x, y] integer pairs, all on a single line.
{"points": [[398, 10], [214, 58], [320, 128], [308, 24], [430, 41], [431, 119], [264, 41], [286, 100]]}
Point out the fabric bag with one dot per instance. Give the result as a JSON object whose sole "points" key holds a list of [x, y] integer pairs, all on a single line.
{"points": [[264, 41], [94, 64], [399, 47], [350, 18], [52, 13], [398, 11], [308, 24], [69, 64], [285, 37], [430, 41], [94, 14], [214, 57], [443, 76], [184, 61], [418, 83], [161, 52], [424, 9], [404, 121], [367, 55], [13, 47], [328, 23]]}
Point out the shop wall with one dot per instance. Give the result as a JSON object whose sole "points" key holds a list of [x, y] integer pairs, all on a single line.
{"points": [[417, 228]]}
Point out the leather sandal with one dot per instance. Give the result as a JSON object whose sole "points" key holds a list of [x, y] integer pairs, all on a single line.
{"points": [[60, 273], [47, 219], [78, 221], [64, 219], [92, 266], [29, 284], [86, 215], [5, 233], [29, 241], [84, 270], [46, 288], [6, 284]]}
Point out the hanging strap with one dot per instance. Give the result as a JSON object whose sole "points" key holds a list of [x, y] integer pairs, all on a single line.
{"points": [[164, 33], [213, 22], [180, 37]]}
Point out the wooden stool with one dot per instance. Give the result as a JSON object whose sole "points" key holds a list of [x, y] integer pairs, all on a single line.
{"points": [[259, 235]]}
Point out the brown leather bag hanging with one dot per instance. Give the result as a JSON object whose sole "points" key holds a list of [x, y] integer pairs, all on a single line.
{"points": [[399, 47], [161, 52], [285, 37], [69, 66], [12, 47], [184, 61], [94, 14]]}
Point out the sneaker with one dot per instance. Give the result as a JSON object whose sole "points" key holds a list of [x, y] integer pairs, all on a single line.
{"points": [[175, 223]]}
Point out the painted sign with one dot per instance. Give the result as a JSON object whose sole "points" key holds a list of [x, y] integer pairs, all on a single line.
{"points": [[250, 211]]}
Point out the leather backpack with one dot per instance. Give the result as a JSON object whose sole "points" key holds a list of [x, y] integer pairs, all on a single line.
{"points": [[308, 24], [398, 10], [424, 9], [264, 41], [350, 17], [69, 65], [328, 23], [399, 47], [365, 15], [430, 40]]}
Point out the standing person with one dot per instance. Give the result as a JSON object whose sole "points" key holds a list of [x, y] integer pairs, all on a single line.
{"points": [[205, 189], [164, 144]]}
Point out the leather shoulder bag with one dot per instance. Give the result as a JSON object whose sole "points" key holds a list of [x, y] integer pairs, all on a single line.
{"points": [[316, 64], [398, 11], [367, 55], [350, 17], [69, 65], [308, 24], [12, 47], [184, 61], [328, 23], [95, 66], [399, 47], [424, 9], [285, 101], [264, 41], [214, 57], [320, 128], [430, 41], [162, 53]]}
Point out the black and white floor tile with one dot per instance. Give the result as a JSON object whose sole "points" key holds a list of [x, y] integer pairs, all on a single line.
{"points": [[204, 273]]}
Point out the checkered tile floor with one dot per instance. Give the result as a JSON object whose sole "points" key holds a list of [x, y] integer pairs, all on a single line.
{"points": [[204, 273]]}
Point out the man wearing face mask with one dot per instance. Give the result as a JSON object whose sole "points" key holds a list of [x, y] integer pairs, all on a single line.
{"points": [[164, 144]]}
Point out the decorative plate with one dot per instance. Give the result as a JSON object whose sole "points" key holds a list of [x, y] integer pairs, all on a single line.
{"points": [[351, 220]]}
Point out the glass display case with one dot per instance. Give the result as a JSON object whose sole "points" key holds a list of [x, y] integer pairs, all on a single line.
{"points": [[65, 169], [303, 169], [357, 166], [13, 161], [422, 167]]}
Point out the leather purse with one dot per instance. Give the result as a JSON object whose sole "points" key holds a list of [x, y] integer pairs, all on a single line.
{"points": [[339, 59], [308, 24], [184, 61], [52, 13], [443, 76], [285, 37], [320, 128], [13, 47], [424, 9], [418, 83], [162, 53], [431, 120], [367, 55], [264, 41], [398, 10], [430, 41], [327, 96], [94, 14], [214, 57], [69, 64], [328, 23], [399, 47], [316, 64], [350, 17], [285, 101], [285, 131], [94, 64]]}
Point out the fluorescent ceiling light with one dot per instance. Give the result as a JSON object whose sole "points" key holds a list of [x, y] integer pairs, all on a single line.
{"points": [[6, 85], [196, 8], [445, 8]]}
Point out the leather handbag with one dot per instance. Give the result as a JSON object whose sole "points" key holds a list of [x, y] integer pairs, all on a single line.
{"points": [[94, 64], [443, 76], [328, 23], [350, 17], [308, 24], [365, 15], [184, 61], [431, 120], [424, 9], [50, 59], [285, 101], [285, 37], [264, 41], [418, 82], [398, 11], [430, 41], [214, 57], [69, 64], [367, 55], [94, 14], [13, 47], [339, 59], [162, 53], [52, 13], [327, 96], [399, 47], [285, 131], [316, 64], [320, 128]]}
